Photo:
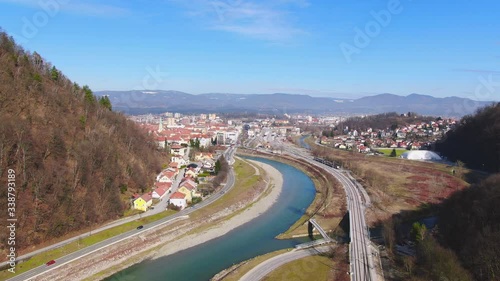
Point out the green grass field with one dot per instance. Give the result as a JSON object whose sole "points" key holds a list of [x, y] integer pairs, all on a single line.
{"points": [[247, 265], [387, 151], [310, 268]]}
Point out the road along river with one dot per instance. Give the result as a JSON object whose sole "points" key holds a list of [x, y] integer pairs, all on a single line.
{"points": [[249, 240]]}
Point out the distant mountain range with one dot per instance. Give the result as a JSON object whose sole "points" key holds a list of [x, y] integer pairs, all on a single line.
{"points": [[140, 102]]}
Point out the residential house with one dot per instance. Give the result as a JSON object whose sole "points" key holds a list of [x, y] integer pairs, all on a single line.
{"points": [[401, 135], [159, 193], [208, 164], [191, 172], [165, 178], [187, 190], [144, 202], [179, 159], [167, 186], [178, 199], [202, 156], [188, 187], [177, 149], [325, 141], [161, 142], [175, 171], [205, 141], [167, 175]]}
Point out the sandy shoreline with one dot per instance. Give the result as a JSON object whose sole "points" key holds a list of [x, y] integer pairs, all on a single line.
{"points": [[259, 207]]}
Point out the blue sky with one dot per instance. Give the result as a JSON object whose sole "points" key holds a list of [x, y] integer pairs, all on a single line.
{"points": [[331, 48]]}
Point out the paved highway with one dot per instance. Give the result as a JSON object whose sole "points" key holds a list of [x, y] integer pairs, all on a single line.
{"points": [[266, 267], [29, 275], [158, 208], [361, 258]]}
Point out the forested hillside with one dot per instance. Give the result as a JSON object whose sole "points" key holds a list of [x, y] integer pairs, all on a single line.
{"points": [[390, 120], [476, 141], [470, 225], [76, 161]]}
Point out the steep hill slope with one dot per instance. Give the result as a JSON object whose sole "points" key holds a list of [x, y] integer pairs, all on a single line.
{"points": [[470, 225], [476, 141], [384, 121], [75, 161]]}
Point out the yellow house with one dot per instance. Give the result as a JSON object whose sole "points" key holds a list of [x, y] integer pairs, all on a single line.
{"points": [[190, 173], [184, 190], [142, 203], [200, 156]]}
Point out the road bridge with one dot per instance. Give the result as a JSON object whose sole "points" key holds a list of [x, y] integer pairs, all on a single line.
{"points": [[321, 231]]}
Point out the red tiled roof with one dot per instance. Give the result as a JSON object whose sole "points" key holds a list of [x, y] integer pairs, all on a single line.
{"points": [[187, 185], [164, 185], [178, 195], [160, 191], [168, 174], [147, 196]]}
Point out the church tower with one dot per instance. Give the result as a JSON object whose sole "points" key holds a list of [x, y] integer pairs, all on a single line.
{"points": [[160, 127]]}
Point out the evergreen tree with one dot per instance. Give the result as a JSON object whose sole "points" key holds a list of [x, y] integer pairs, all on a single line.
{"points": [[89, 96], [54, 73], [418, 231], [217, 166], [105, 102]]}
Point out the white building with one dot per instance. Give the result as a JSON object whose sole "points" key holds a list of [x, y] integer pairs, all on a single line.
{"points": [[205, 142], [159, 193], [178, 199], [421, 155], [232, 136]]}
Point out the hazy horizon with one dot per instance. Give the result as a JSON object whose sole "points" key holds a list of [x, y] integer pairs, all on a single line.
{"points": [[333, 96], [320, 48]]}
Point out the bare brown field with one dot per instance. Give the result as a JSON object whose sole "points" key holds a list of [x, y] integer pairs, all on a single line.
{"points": [[396, 184]]}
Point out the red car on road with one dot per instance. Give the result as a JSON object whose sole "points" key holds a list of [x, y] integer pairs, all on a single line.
{"points": [[51, 262]]}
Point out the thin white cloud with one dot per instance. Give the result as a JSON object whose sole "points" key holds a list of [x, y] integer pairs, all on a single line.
{"points": [[87, 8], [299, 3], [266, 20], [477, 70]]}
